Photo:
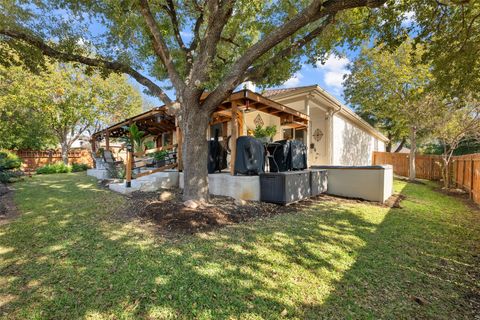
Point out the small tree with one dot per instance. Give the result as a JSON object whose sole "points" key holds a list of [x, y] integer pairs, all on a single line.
{"points": [[461, 119], [65, 101]]}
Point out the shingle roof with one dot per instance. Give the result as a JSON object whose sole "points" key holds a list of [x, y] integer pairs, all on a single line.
{"points": [[275, 92]]}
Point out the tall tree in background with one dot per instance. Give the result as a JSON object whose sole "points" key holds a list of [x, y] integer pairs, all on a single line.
{"points": [[228, 42], [393, 86], [63, 102]]}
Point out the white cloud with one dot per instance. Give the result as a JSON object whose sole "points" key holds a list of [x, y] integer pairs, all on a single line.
{"points": [[293, 81], [334, 69]]}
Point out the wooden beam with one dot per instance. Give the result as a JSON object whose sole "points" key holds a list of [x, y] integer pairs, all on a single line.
{"points": [[233, 139], [149, 172], [107, 140]]}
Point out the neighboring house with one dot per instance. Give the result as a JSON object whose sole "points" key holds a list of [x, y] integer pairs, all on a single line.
{"points": [[336, 135]]}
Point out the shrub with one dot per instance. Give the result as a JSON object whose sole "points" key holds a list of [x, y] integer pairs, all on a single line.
{"points": [[9, 176], [267, 132], [9, 160], [58, 167], [77, 167]]}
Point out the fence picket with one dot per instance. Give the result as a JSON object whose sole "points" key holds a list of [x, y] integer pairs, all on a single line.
{"points": [[465, 169]]}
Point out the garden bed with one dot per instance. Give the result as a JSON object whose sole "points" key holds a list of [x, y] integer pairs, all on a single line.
{"points": [[167, 211]]}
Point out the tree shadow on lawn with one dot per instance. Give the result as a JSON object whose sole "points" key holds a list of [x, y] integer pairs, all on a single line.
{"points": [[65, 259], [422, 262]]}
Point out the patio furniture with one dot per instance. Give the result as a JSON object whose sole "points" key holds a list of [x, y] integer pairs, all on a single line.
{"points": [[318, 181], [250, 157], [111, 164], [284, 187], [271, 149], [217, 155]]}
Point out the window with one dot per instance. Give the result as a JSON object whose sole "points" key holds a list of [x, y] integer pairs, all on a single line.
{"points": [[300, 135], [287, 134]]}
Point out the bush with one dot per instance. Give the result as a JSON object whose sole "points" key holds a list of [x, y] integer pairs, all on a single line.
{"points": [[78, 167], [9, 176], [9, 160], [58, 167]]}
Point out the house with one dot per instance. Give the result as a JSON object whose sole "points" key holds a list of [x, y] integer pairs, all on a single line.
{"points": [[335, 135]]}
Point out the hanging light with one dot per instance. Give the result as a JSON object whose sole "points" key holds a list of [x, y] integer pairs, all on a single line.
{"points": [[247, 107]]}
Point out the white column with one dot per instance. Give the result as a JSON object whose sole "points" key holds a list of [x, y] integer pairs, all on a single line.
{"points": [[309, 132]]}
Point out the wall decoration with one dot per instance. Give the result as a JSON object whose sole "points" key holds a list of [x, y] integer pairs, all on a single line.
{"points": [[318, 134], [258, 121]]}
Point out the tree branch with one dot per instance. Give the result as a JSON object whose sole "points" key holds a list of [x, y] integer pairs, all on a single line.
{"points": [[94, 62], [254, 74], [172, 12], [315, 11], [160, 47], [219, 14]]}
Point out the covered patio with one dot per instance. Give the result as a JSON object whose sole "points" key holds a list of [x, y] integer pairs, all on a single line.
{"points": [[229, 119]]}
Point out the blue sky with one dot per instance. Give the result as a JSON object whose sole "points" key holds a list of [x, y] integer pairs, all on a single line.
{"points": [[329, 75]]}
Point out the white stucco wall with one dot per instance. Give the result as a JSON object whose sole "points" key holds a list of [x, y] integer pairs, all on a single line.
{"points": [[352, 146], [319, 154]]}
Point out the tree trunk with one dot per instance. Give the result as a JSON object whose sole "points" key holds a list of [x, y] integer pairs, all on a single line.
{"points": [[388, 147], [400, 146], [446, 173], [195, 154], [65, 149], [413, 149]]}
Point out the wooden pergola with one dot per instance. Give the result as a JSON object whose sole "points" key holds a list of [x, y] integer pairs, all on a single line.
{"points": [[157, 121]]}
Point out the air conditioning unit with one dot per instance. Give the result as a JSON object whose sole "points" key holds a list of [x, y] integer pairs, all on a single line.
{"points": [[284, 187]]}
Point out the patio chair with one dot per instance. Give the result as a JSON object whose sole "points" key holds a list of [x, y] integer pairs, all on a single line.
{"points": [[111, 164]]}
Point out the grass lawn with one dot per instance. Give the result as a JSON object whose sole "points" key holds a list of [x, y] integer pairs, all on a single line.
{"points": [[65, 258]]}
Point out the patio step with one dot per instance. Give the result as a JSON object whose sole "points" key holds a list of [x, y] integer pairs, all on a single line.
{"points": [[153, 182]]}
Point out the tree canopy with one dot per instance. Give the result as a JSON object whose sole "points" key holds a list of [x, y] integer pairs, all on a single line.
{"points": [[59, 104]]}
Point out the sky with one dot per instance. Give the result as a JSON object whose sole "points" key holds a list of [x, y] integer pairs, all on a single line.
{"points": [[329, 75]]}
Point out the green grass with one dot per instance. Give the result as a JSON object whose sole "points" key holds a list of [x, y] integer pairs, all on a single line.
{"points": [[65, 258]]}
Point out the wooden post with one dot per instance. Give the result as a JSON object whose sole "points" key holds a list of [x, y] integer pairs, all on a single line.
{"points": [[107, 141], [240, 123], [233, 139], [93, 143], [472, 172], [128, 170], [179, 145], [129, 165]]}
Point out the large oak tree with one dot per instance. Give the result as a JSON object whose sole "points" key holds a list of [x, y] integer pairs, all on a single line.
{"points": [[207, 45]]}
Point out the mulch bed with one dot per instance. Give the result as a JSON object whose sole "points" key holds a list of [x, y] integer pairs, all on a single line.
{"points": [[8, 210], [166, 210]]}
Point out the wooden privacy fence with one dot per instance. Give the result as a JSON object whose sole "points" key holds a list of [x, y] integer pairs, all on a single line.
{"points": [[427, 166], [33, 159], [466, 174], [465, 170]]}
